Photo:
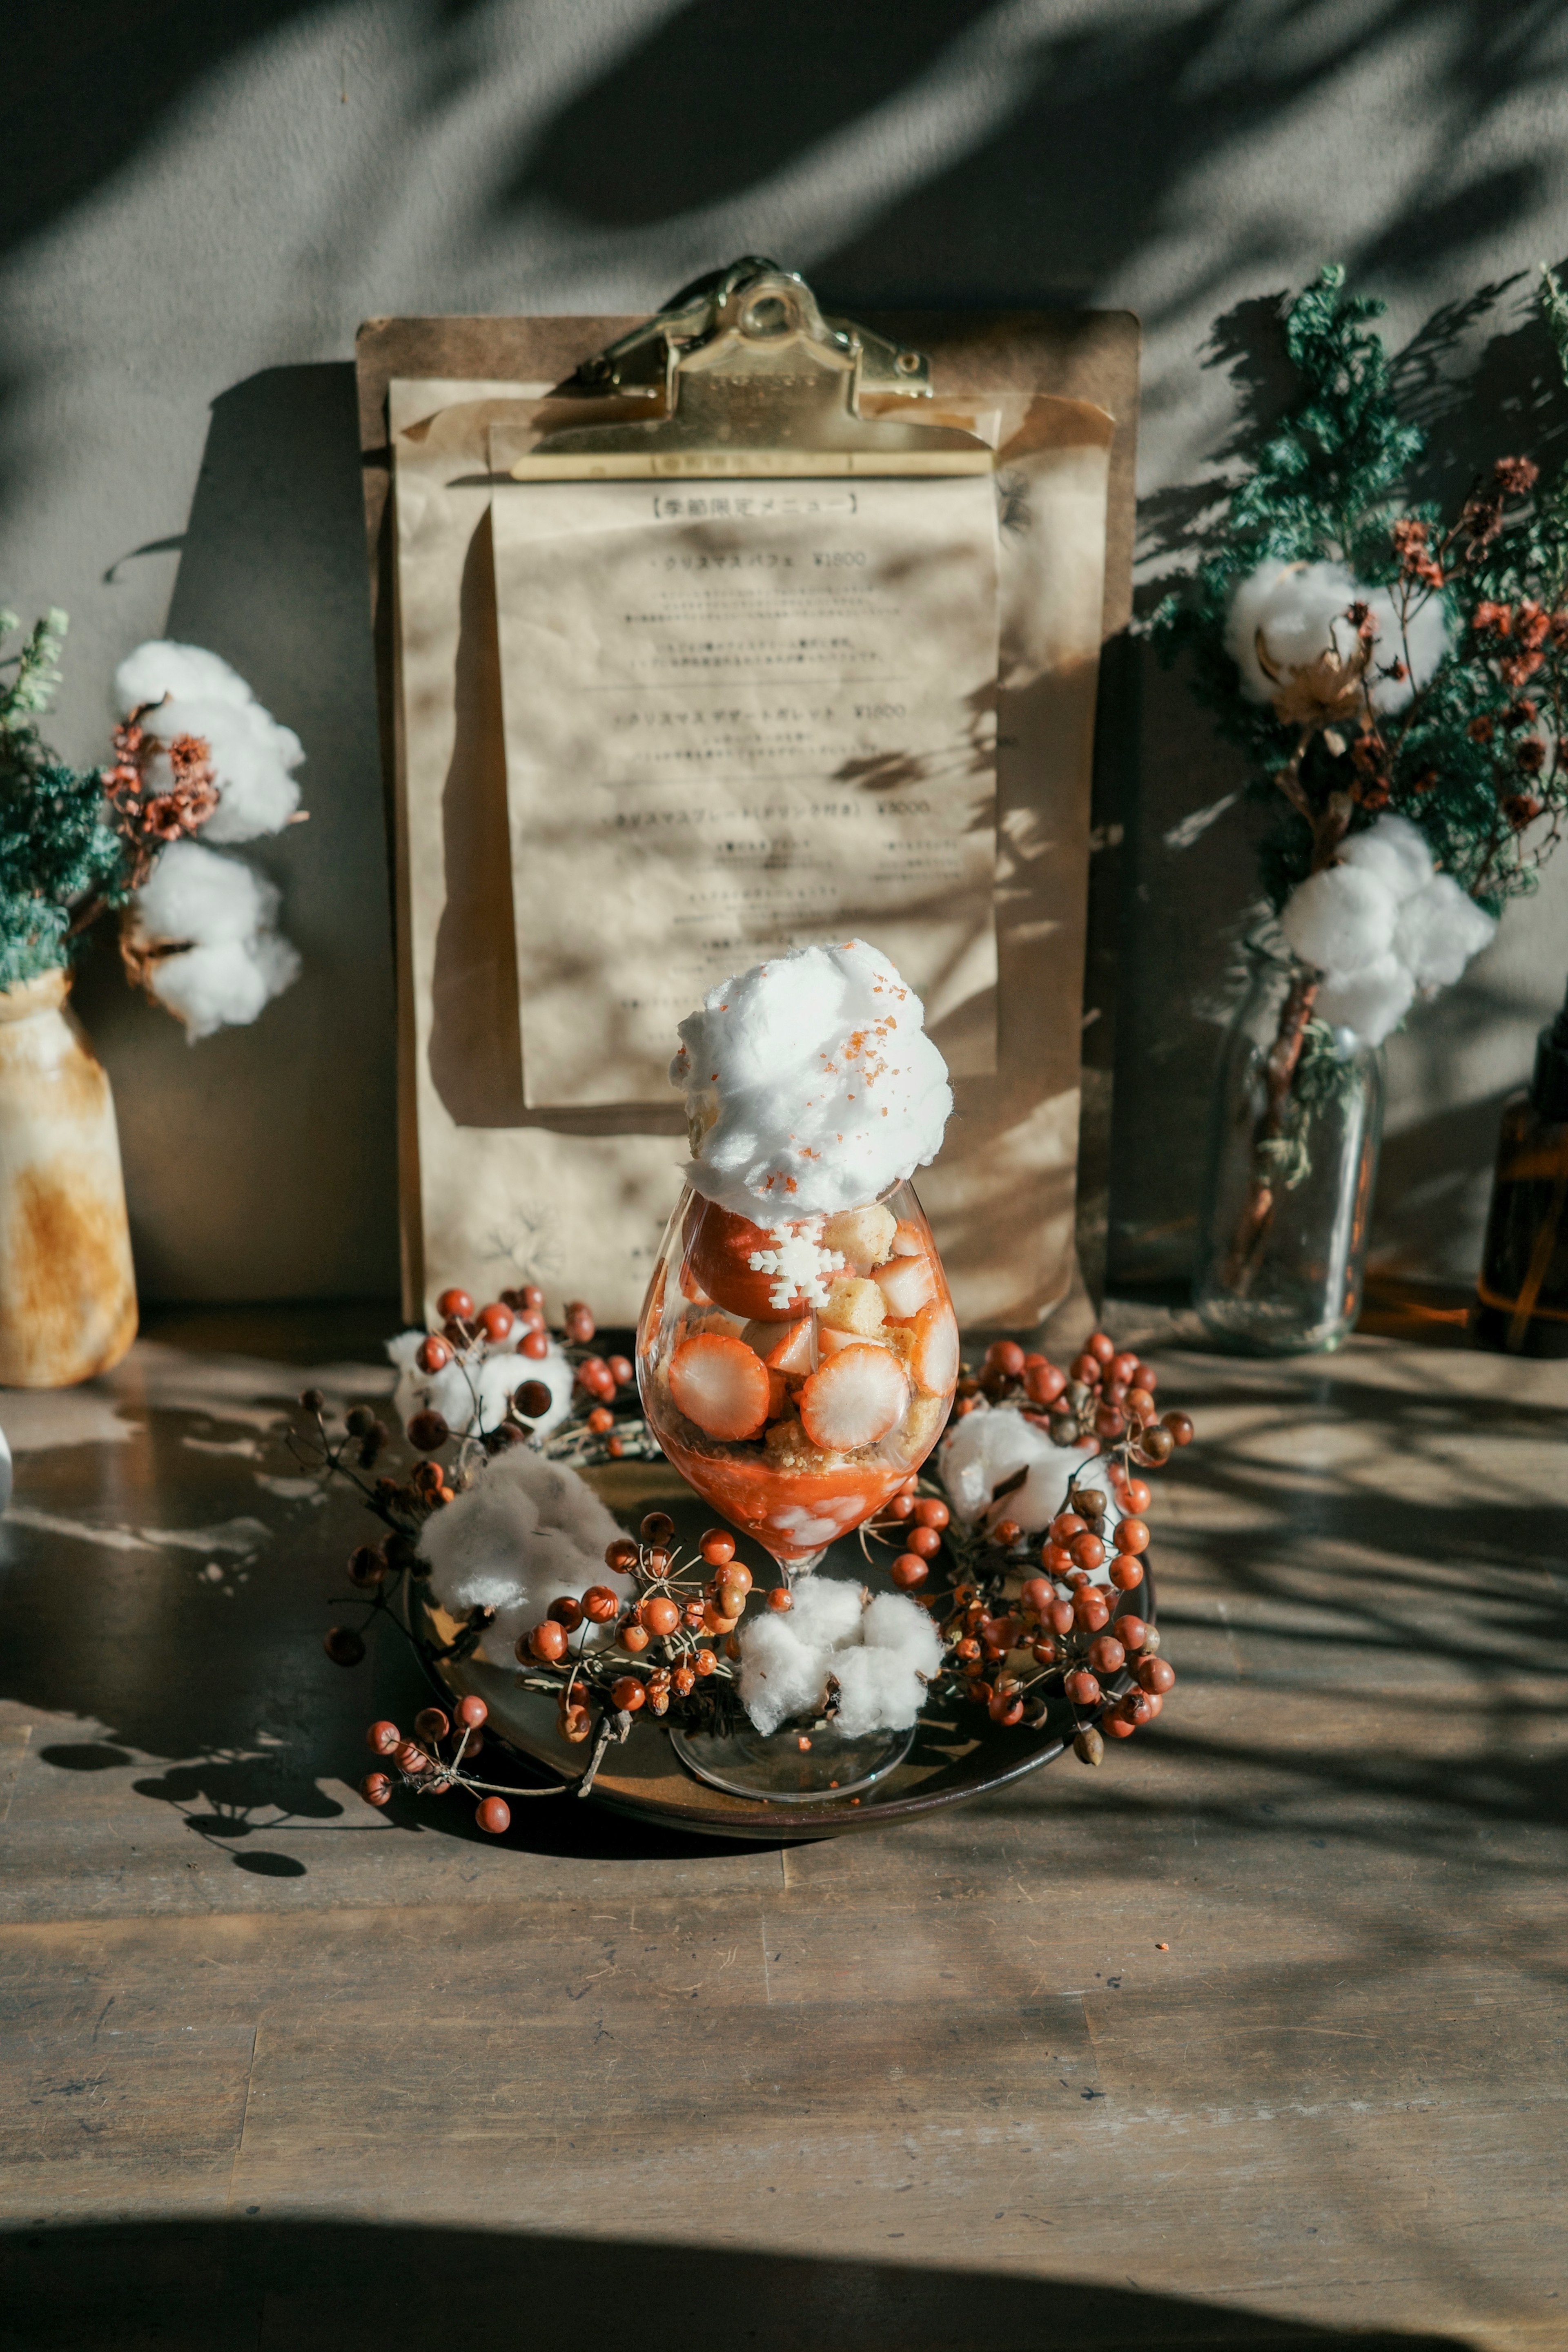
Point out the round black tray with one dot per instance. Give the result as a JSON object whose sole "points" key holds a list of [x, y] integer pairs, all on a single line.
{"points": [[958, 1753]]}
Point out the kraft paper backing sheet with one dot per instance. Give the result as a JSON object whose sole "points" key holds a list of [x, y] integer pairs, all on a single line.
{"points": [[495, 1194]]}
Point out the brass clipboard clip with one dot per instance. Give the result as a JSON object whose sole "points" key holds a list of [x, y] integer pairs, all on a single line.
{"points": [[748, 378]]}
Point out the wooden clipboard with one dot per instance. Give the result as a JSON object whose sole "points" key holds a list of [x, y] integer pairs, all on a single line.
{"points": [[883, 397]]}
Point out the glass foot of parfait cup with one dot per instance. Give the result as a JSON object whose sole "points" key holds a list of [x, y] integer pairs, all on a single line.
{"points": [[797, 1765], [796, 1375]]}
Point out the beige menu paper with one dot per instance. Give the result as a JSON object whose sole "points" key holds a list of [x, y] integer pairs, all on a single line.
{"points": [[505, 1190], [740, 717]]}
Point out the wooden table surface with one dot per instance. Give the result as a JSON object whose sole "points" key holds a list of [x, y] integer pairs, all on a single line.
{"points": [[1255, 2035]]}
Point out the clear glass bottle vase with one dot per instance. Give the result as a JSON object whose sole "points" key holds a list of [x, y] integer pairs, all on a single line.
{"points": [[1293, 1158]]}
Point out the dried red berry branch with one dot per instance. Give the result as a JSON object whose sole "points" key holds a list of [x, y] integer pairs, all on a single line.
{"points": [[1021, 1617], [663, 1638]]}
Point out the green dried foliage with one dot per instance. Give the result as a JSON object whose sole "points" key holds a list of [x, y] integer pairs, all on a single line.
{"points": [[59, 861], [1480, 741]]}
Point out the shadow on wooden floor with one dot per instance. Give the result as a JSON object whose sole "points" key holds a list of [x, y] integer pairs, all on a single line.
{"points": [[334, 2286]]}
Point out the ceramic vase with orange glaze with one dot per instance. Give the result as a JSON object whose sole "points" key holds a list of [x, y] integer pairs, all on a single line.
{"points": [[68, 1293]]}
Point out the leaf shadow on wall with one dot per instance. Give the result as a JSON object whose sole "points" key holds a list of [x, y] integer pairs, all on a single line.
{"points": [[262, 1162], [475, 1037]]}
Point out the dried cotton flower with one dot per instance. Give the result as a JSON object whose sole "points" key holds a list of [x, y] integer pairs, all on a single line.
{"points": [[1289, 633], [1380, 925]]}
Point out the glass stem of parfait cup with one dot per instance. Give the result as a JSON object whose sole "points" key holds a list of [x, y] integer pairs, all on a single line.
{"points": [[790, 1569]]}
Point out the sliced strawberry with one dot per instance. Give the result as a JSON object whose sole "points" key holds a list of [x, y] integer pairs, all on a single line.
{"points": [[833, 1342], [854, 1397], [933, 1359], [719, 1247], [906, 1284], [908, 1241], [783, 1346], [777, 1396], [721, 1384]]}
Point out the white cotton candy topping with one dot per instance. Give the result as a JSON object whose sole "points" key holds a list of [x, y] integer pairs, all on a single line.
{"points": [[526, 1532], [1380, 925], [1301, 612], [1438, 930], [985, 1447], [476, 1397], [875, 1652], [253, 755], [811, 1085], [1340, 919]]}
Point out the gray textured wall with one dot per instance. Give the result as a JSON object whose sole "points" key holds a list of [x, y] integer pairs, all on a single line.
{"points": [[203, 201]]}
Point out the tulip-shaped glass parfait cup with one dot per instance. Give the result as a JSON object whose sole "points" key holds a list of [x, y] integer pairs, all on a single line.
{"points": [[796, 1375]]}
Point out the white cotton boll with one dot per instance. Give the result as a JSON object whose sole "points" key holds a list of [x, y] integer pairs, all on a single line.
{"points": [[811, 1085], [253, 754], [780, 1675], [278, 961], [981, 1450], [162, 667], [1439, 930], [1370, 1002], [478, 1546], [1341, 921], [1393, 850], [1301, 612], [211, 988], [557, 1566], [516, 1541], [494, 1382], [878, 1690], [1036, 1503], [449, 1393], [895, 1622], [251, 757], [875, 1652], [236, 962], [879, 1679], [567, 1501], [193, 894], [827, 1611], [987, 1446]]}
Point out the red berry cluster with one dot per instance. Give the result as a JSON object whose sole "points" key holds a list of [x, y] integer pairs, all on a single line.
{"points": [[668, 1626], [467, 1334], [1065, 1626], [1015, 1633], [916, 1521], [420, 1764], [672, 1640], [1106, 1394]]}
